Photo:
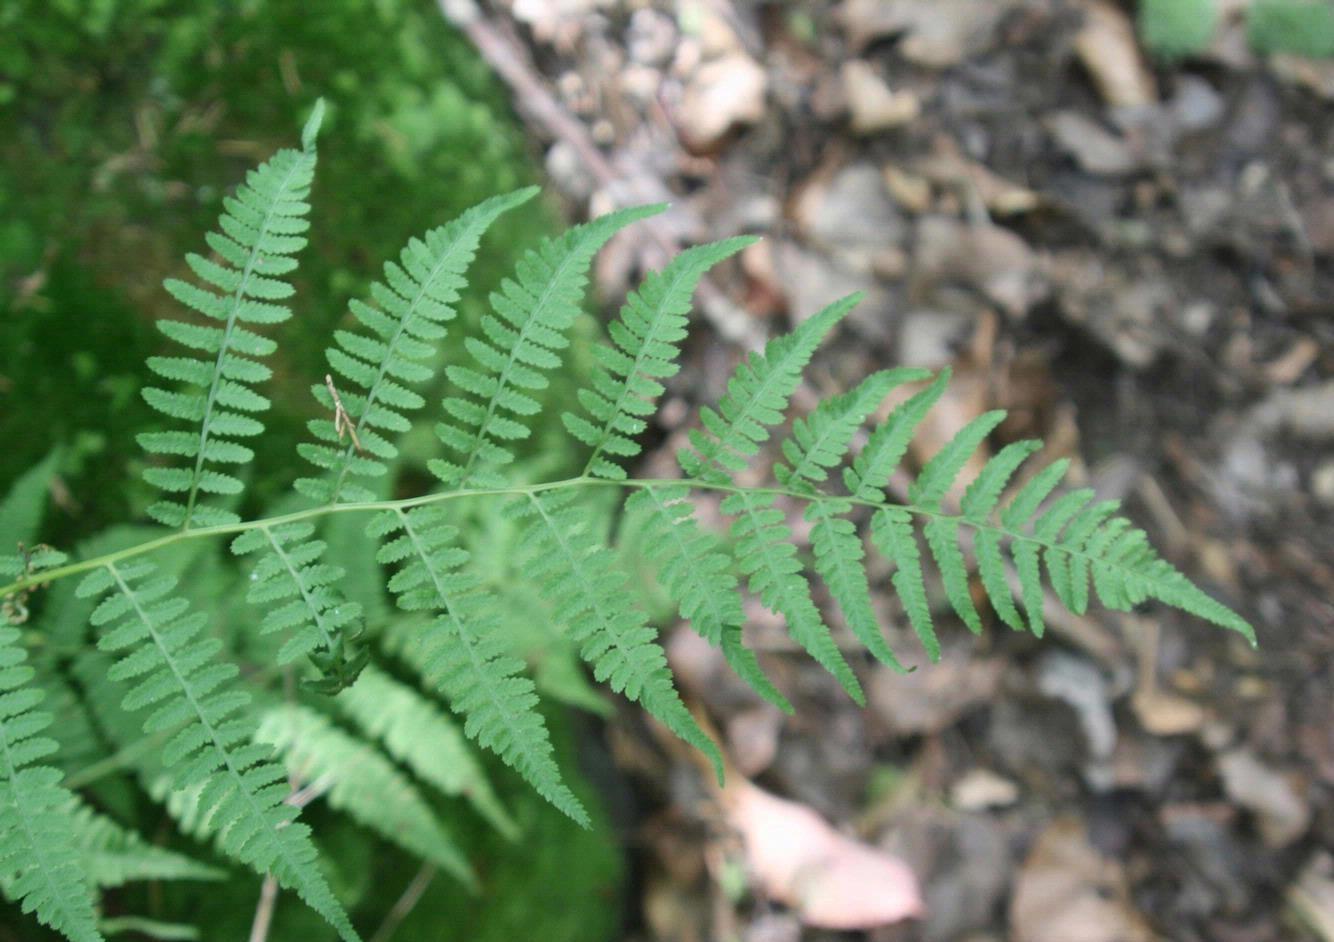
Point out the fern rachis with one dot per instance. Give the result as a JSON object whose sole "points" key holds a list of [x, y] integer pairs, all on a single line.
{"points": [[216, 728]]}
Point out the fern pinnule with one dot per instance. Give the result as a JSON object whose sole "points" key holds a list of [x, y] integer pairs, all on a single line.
{"points": [[876, 462], [523, 340], [840, 563], [113, 855], [358, 780], [820, 441], [757, 396], [415, 301], [893, 534], [39, 853], [581, 578], [646, 340], [263, 225], [425, 740], [766, 553], [696, 570], [240, 791], [322, 624], [463, 649]]}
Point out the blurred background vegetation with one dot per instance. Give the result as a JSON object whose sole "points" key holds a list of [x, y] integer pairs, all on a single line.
{"points": [[122, 125]]}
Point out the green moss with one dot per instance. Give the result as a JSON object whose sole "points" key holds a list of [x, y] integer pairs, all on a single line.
{"points": [[123, 123], [1300, 27]]}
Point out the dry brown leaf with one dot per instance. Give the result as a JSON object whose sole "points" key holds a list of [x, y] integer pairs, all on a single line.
{"points": [[829, 879], [1068, 892]]}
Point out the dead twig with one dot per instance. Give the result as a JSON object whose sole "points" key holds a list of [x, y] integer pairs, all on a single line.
{"points": [[343, 423]]}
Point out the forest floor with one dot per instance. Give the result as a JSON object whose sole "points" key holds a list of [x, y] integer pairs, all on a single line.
{"points": [[1135, 260]]}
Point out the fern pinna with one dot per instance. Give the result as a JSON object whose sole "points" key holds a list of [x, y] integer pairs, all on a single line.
{"points": [[234, 755]]}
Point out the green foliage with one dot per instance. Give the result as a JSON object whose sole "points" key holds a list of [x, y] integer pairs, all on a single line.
{"points": [[424, 739], [1300, 27], [241, 792], [504, 541], [361, 781], [263, 225], [647, 336], [414, 307], [39, 852], [1175, 29], [112, 110], [523, 340]]}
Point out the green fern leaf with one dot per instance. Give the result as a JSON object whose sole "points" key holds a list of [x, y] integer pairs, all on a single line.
{"points": [[580, 576], [111, 855], [757, 396], [892, 533], [416, 300], [363, 783], [1076, 534], [261, 233], [422, 738], [1027, 561], [697, 573], [1026, 502], [991, 567], [766, 554], [523, 341], [938, 475], [39, 855], [821, 440], [646, 338], [464, 648], [981, 497], [872, 468], [239, 792], [299, 593], [839, 557], [942, 539]]}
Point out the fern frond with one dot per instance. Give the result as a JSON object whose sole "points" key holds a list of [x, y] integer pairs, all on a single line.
{"points": [[524, 340], [646, 343], [464, 650], [240, 791], [322, 623], [262, 230], [39, 854], [697, 573], [416, 300], [757, 396], [581, 578], [424, 739], [363, 783], [112, 855]]}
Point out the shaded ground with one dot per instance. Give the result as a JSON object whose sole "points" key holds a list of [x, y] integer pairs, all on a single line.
{"points": [[1136, 263]]}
